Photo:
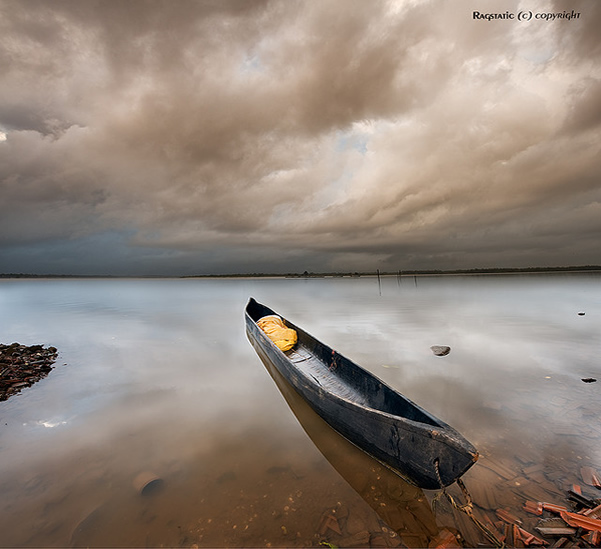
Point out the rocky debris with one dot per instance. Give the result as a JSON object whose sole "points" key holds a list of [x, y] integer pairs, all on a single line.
{"points": [[527, 502], [440, 350], [590, 476], [21, 366], [554, 526], [581, 524], [445, 539], [341, 527], [577, 526]]}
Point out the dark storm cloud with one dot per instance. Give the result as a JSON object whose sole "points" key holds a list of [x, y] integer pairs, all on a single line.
{"points": [[235, 136]]}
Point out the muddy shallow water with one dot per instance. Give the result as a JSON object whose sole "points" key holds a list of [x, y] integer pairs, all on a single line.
{"points": [[157, 376]]}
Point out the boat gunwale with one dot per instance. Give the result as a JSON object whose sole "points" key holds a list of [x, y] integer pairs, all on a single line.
{"points": [[437, 426]]}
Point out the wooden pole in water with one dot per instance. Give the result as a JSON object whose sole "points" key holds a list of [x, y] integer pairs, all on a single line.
{"points": [[379, 283]]}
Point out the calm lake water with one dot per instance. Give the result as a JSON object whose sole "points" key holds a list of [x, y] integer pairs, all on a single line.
{"points": [[156, 375]]}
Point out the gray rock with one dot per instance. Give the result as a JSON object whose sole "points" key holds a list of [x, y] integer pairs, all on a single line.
{"points": [[440, 350]]}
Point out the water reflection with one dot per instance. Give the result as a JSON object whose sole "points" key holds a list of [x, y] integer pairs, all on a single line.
{"points": [[157, 375], [399, 504]]}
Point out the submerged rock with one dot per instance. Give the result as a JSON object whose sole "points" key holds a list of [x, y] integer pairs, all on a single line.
{"points": [[440, 350], [147, 483]]}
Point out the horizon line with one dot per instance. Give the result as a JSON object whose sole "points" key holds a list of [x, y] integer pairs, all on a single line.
{"points": [[311, 274]]}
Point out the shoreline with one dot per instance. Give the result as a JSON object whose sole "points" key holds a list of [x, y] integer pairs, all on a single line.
{"points": [[307, 275]]}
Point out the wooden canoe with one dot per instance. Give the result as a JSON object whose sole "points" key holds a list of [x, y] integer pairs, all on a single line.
{"points": [[370, 414]]}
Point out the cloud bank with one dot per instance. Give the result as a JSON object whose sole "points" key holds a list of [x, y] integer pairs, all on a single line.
{"points": [[157, 137]]}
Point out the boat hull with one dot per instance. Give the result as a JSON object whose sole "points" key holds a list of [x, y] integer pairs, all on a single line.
{"points": [[430, 455]]}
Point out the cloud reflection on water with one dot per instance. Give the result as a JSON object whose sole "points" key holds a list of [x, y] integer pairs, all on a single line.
{"points": [[158, 375]]}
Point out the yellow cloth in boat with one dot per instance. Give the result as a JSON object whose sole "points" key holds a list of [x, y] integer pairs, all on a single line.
{"points": [[276, 330]]}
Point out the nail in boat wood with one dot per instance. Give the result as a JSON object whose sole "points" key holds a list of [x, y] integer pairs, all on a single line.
{"points": [[362, 408]]}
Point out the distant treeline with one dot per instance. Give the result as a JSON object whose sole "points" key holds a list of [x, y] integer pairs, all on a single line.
{"points": [[417, 272], [306, 274], [494, 270]]}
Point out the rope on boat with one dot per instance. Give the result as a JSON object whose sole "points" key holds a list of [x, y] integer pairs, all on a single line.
{"points": [[467, 507]]}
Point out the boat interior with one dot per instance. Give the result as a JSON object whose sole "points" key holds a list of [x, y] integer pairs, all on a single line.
{"points": [[338, 375]]}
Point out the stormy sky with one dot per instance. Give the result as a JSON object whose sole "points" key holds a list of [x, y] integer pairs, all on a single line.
{"points": [[221, 136]]}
